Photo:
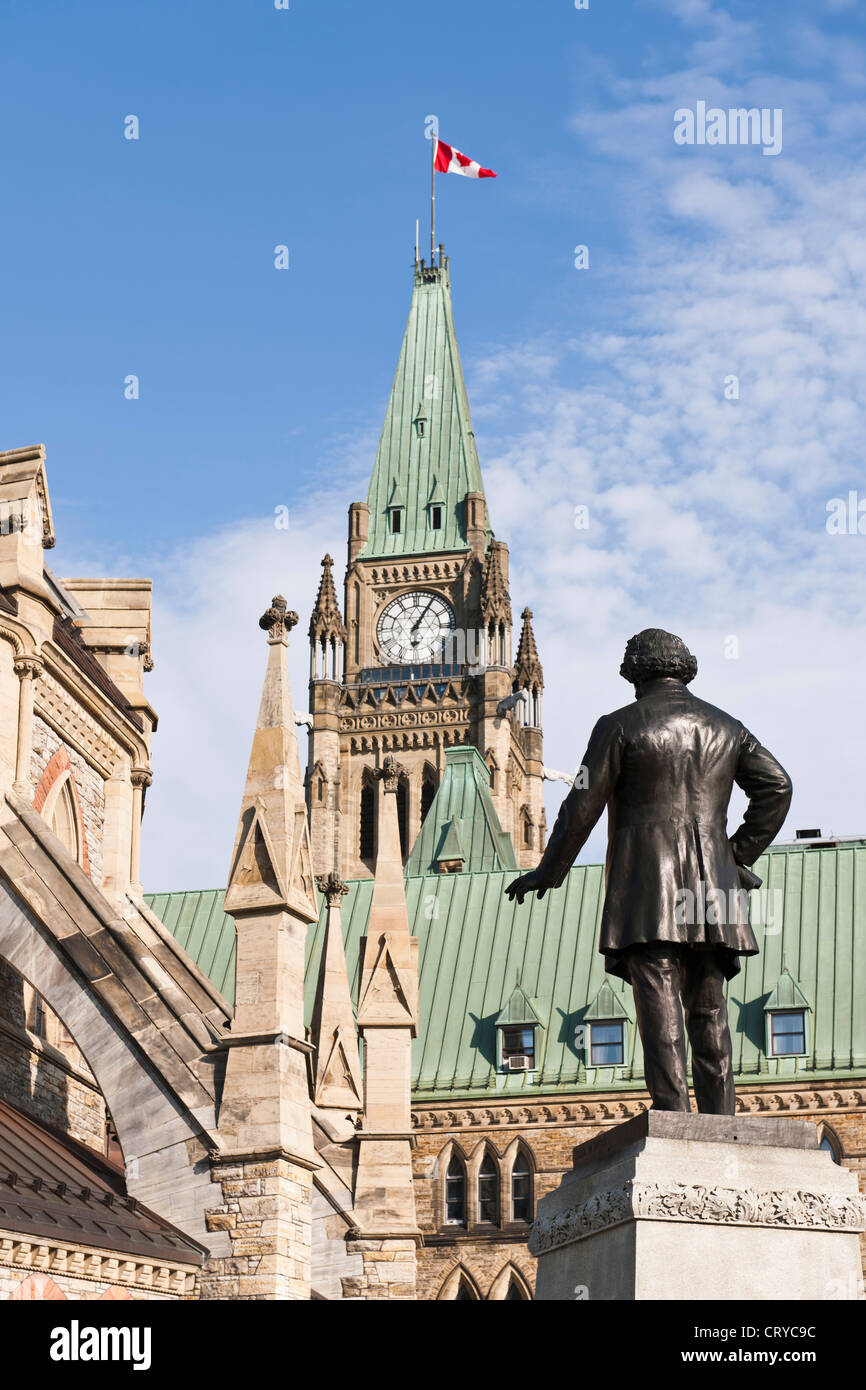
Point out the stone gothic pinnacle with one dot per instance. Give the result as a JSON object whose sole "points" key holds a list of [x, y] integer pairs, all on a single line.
{"points": [[527, 667], [495, 599], [327, 620]]}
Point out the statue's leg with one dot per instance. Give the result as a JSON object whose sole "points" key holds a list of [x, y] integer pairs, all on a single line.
{"points": [[703, 994], [654, 974]]}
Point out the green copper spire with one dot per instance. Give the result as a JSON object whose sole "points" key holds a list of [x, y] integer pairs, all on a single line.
{"points": [[462, 824], [426, 462]]}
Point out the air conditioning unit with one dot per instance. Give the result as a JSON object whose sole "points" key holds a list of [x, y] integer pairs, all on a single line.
{"points": [[517, 1063]]}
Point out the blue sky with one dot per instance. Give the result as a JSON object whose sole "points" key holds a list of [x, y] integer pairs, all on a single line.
{"points": [[601, 387]]}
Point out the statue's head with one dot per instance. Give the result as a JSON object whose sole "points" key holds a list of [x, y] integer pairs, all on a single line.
{"points": [[653, 653]]}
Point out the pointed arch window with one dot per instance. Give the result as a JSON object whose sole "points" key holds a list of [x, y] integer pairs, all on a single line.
{"points": [[465, 1293], [830, 1143], [455, 1192], [515, 1292], [521, 1188], [368, 821], [64, 818], [488, 1191]]}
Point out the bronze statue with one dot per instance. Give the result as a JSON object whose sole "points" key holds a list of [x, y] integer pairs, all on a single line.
{"points": [[676, 916]]}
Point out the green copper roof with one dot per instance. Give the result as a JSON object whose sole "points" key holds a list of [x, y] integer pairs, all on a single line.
{"points": [[462, 822], [199, 925], [425, 455], [474, 944]]}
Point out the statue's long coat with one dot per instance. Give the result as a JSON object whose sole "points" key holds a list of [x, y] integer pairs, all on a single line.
{"points": [[665, 767]]}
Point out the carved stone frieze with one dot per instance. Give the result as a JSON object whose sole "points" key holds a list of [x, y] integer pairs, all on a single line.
{"points": [[407, 719], [428, 571], [793, 1208]]}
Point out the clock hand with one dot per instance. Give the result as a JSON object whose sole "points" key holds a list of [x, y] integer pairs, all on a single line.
{"points": [[417, 622]]}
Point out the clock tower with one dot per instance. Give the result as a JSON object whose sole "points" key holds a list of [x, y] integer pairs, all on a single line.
{"points": [[424, 659]]}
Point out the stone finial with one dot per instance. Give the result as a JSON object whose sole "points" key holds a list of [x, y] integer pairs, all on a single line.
{"points": [[327, 620], [278, 621], [332, 888], [390, 772]]}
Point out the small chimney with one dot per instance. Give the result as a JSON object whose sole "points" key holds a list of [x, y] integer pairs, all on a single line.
{"points": [[808, 834]]}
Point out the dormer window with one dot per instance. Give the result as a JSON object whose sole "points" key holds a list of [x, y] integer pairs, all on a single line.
{"points": [[518, 1031], [420, 421], [396, 508], [601, 1034], [435, 506], [786, 1012]]}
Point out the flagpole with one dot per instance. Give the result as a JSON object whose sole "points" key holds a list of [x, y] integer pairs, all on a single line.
{"points": [[433, 144]]}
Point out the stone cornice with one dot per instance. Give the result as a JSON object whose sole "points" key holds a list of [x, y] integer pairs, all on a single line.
{"points": [[833, 1097], [428, 571], [793, 1208], [85, 1262]]}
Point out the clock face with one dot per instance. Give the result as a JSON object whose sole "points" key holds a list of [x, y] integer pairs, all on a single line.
{"points": [[415, 627]]}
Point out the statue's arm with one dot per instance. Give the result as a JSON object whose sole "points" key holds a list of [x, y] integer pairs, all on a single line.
{"points": [[579, 811], [768, 787]]}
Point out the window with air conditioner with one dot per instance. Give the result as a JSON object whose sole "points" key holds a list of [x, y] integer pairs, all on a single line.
{"points": [[517, 1048]]}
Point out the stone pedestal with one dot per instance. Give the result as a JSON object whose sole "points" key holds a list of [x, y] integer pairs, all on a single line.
{"points": [[683, 1206]]}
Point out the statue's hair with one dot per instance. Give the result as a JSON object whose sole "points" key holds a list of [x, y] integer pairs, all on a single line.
{"points": [[653, 653]]}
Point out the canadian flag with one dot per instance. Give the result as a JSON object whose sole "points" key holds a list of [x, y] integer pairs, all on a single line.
{"points": [[451, 161]]}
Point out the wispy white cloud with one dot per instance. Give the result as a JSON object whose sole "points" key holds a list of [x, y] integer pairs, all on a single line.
{"points": [[706, 514]]}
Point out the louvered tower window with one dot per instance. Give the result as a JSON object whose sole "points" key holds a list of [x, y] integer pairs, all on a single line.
{"points": [[403, 816], [368, 822]]}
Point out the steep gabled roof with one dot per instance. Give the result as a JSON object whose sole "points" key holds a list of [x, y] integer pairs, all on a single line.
{"points": [[427, 441], [462, 822], [55, 1188]]}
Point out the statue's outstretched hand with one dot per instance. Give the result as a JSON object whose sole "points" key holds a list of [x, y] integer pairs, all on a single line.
{"points": [[527, 883]]}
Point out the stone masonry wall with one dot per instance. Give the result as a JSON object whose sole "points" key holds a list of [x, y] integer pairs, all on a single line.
{"points": [[267, 1213], [389, 1270], [549, 1132], [90, 785], [46, 1077]]}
